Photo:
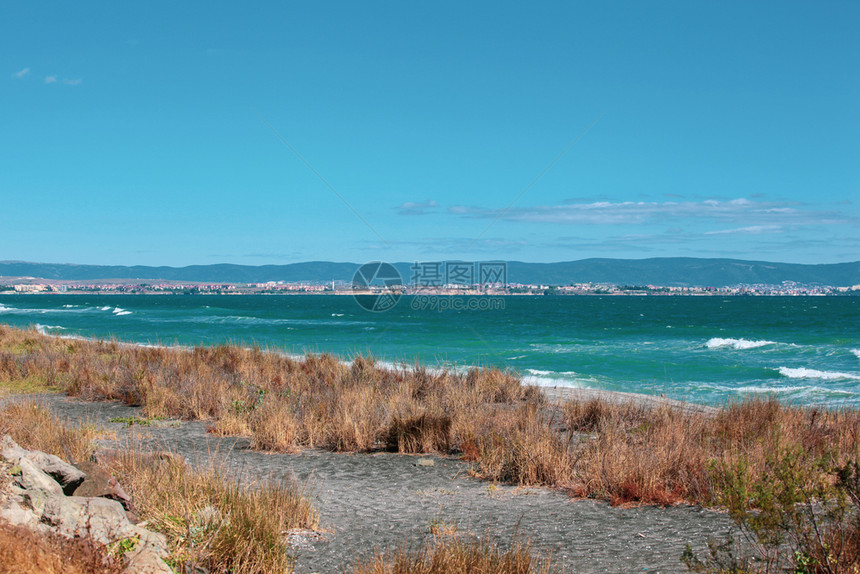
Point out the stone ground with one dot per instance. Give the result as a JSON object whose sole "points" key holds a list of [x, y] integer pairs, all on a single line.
{"points": [[373, 501]]}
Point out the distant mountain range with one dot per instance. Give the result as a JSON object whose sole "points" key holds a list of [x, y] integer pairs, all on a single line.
{"points": [[665, 271]]}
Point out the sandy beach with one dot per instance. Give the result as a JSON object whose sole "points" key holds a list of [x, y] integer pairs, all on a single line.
{"points": [[374, 501]]}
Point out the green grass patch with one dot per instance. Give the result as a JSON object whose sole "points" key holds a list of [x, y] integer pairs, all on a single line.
{"points": [[129, 421], [28, 385]]}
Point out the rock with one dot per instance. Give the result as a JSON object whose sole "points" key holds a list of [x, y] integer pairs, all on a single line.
{"points": [[66, 475], [425, 462], [36, 500], [99, 482], [99, 518], [13, 512], [37, 486], [146, 561]]}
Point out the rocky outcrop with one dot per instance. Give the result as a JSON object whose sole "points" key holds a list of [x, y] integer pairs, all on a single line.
{"points": [[66, 475], [43, 496]]}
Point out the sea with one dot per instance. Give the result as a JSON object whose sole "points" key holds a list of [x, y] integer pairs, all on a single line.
{"points": [[709, 350]]}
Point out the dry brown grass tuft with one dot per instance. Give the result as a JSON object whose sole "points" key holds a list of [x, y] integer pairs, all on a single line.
{"points": [[25, 552], [419, 434], [450, 555], [33, 427], [211, 521], [274, 427]]}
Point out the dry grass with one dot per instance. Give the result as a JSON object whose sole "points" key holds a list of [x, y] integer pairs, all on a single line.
{"points": [[625, 453], [32, 426], [25, 552], [621, 453], [450, 555], [211, 521]]}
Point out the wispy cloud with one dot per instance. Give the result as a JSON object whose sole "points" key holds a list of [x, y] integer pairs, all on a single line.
{"points": [[50, 79], [72, 82], [750, 230], [417, 208], [20, 75], [756, 215], [450, 245]]}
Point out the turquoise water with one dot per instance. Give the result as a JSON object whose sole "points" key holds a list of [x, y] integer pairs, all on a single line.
{"points": [[704, 349]]}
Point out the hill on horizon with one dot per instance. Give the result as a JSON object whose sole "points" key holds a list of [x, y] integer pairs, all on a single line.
{"points": [[665, 271]]}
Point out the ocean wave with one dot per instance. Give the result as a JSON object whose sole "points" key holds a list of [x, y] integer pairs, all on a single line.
{"points": [[542, 378], [43, 329], [856, 352], [801, 389], [119, 311], [17, 311], [737, 344], [804, 373], [105, 308]]}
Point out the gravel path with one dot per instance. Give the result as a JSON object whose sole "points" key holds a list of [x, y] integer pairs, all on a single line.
{"points": [[383, 500]]}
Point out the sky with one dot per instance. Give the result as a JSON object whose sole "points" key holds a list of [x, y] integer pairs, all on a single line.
{"points": [[179, 133]]}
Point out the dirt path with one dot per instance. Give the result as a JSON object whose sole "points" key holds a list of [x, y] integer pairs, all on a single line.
{"points": [[379, 500]]}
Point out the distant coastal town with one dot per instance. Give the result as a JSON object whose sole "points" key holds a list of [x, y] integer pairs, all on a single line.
{"points": [[130, 287]]}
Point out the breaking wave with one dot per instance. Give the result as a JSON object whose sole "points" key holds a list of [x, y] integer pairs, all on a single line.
{"points": [[737, 344], [804, 373]]}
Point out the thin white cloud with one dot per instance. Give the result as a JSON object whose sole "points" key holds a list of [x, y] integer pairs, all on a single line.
{"points": [[20, 75], [72, 82], [417, 208], [50, 79], [750, 230], [741, 210]]}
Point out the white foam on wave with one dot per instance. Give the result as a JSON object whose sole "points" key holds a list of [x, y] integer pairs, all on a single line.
{"points": [[856, 352], [43, 329], [737, 344], [804, 373], [105, 308], [119, 311], [806, 389], [17, 311], [542, 378]]}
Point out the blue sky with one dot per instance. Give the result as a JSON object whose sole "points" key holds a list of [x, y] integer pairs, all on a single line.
{"points": [[170, 133]]}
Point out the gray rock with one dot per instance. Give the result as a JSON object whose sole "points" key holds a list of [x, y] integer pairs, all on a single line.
{"points": [[66, 475], [35, 500], [99, 518], [38, 487], [99, 482], [146, 561], [14, 512]]}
